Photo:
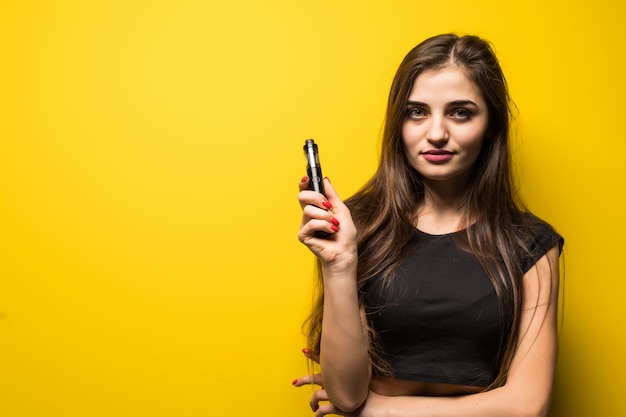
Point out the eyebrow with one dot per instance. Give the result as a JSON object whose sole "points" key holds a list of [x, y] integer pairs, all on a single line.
{"points": [[452, 103]]}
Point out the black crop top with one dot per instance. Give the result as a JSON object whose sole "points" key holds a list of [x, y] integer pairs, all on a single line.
{"points": [[440, 320]]}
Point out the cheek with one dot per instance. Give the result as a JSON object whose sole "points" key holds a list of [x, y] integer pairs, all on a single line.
{"points": [[473, 149], [409, 134], [476, 144], [472, 139], [410, 141]]}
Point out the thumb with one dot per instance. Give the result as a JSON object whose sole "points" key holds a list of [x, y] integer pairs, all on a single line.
{"points": [[330, 193]]}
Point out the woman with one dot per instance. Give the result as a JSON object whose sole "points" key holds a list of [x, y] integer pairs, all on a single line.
{"points": [[438, 289]]}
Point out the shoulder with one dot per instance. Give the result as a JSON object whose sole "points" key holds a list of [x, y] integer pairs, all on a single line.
{"points": [[535, 238]]}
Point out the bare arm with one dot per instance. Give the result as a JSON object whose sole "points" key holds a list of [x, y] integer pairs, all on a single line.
{"points": [[344, 359]]}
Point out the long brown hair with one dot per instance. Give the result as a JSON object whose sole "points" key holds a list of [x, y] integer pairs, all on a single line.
{"points": [[384, 208]]}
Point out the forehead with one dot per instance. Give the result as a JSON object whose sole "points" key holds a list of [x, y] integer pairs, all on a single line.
{"points": [[445, 84]]}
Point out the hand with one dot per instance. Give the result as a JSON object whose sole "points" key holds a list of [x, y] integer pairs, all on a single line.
{"points": [[320, 404], [328, 214], [373, 407], [319, 395]]}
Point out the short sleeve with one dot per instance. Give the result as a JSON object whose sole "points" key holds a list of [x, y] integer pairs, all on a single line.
{"points": [[541, 239]]}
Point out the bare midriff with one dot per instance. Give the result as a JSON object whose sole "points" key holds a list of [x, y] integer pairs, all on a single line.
{"points": [[396, 387]]}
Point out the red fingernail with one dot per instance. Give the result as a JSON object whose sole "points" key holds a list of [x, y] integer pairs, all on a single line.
{"points": [[304, 179], [327, 204], [306, 351], [334, 221], [294, 382], [335, 228]]}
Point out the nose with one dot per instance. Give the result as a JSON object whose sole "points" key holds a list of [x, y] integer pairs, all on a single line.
{"points": [[437, 132]]}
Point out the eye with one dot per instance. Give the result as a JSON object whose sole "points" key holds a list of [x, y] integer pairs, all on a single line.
{"points": [[415, 113], [461, 114]]}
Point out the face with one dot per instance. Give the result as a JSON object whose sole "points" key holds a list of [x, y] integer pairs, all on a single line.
{"points": [[446, 119]]}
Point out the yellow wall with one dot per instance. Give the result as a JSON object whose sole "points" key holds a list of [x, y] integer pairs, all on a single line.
{"points": [[149, 159]]}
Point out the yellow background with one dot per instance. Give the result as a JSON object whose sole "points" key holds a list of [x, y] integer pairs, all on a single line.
{"points": [[149, 158]]}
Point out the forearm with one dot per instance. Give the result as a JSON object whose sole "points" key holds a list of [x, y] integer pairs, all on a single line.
{"points": [[500, 402], [344, 357]]}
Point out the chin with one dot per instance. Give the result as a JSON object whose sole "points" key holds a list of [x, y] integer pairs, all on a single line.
{"points": [[462, 176]]}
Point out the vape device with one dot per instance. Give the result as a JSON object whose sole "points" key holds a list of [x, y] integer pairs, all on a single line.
{"points": [[314, 172], [313, 167]]}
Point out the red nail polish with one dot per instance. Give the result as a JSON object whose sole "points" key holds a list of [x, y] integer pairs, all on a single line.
{"points": [[335, 228], [327, 204], [304, 179], [294, 382], [306, 351], [334, 221]]}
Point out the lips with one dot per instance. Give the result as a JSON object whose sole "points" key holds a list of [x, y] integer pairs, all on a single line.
{"points": [[437, 155]]}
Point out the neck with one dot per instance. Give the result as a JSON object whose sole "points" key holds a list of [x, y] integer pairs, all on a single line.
{"points": [[442, 210]]}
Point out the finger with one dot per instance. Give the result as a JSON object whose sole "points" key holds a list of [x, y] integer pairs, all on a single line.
{"points": [[318, 395], [326, 200], [315, 379], [308, 197], [314, 356], [304, 183], [314, 220], [328, 409], [330, 193], [308, 234], [317, 198], [311, 212], [311, 354]]}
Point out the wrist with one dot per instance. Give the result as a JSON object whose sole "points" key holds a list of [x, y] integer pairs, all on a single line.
{"points": [[343, 265]]}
